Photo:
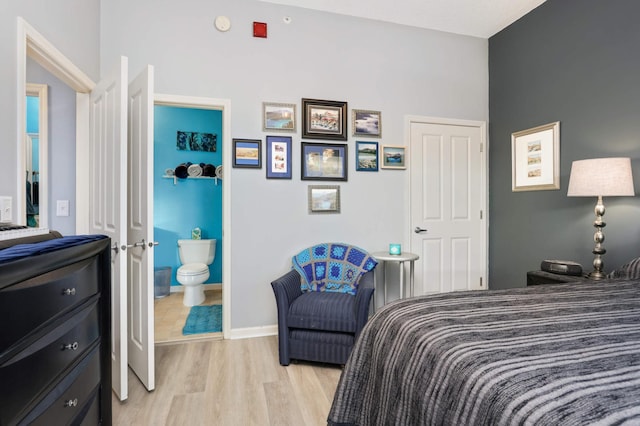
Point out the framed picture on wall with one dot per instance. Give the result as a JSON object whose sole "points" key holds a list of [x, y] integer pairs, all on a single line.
{"points": [[247, 153], [366, 156], [535, 158], [278, 157], [393, 157], [324, 119], [366, 123], [278, 117], [324, 198], [321, 161]]}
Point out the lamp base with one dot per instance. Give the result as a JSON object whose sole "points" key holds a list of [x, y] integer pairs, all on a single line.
{"points": [[596, 275]]}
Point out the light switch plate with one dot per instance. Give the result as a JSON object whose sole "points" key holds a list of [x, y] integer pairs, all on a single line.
{"points": [[62, 208], [5, 209]]}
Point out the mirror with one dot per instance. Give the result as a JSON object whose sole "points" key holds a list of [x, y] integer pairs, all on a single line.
{"points": [[36, 156]]}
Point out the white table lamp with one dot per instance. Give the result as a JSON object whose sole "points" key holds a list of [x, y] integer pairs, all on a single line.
{"points": [[600, 177]]}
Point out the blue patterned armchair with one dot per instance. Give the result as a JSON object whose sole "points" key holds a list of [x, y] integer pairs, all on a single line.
{"points": [[323, 303]]}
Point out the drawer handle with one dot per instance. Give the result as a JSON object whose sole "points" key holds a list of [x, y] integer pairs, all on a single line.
{"points": [[71, 346], [69, 292], [71, 403]]}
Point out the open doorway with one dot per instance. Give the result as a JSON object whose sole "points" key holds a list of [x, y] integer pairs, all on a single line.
{"points": [[188, 200]]}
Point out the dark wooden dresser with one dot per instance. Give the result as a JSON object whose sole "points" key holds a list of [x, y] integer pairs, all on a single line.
{"points": [[55, 366]]}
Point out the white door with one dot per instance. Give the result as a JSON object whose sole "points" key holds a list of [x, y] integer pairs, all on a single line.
{"points": [[140, 229], [108, 189], [448, 227]]}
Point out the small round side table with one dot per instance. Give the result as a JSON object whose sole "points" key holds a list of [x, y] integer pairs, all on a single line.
{"points": [[384, 257]]}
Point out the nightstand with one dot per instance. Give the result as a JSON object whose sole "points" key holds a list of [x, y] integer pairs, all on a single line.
{"points": [[542, 277]]}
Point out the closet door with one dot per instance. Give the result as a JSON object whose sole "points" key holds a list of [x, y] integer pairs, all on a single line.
{"points": [[108, 201], [141, 336]]}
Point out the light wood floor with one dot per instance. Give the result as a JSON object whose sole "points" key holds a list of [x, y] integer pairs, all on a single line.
{"points": [[229, 382], [171, 314]]}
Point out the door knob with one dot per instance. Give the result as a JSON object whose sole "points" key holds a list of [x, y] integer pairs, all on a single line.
{"points": [[153, 243], [138, 244], [419, 230]]}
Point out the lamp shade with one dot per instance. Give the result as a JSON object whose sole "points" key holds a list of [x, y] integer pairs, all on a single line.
{"points": [[601, 177]]}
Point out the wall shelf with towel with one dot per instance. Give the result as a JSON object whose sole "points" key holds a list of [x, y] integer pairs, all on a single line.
{"points": [[176, 179]]}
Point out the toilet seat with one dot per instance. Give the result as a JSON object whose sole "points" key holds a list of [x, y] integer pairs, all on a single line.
{"points": [[191, 269]]}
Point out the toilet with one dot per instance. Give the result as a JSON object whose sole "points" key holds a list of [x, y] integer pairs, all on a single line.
{"points": [[195, 256]]}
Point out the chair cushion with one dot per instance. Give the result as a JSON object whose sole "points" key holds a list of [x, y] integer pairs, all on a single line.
{"points": [[327, 311], [334, 267]]}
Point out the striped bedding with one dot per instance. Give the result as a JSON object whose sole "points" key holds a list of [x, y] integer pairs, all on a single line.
{"points": [[564, 354]]}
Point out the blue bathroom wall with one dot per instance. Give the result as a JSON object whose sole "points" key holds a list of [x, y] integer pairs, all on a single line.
{"points": [[33, 114], [189, 203], [33, 126]]}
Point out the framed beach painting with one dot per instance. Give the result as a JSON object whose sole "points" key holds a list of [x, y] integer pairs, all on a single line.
{"points": [[278, 117], [247, 153]]}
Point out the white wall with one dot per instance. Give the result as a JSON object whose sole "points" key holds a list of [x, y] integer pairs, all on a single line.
{"points": [[372, 65], [73, 27]]}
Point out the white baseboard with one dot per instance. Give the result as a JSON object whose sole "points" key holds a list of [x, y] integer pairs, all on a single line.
{"points": [[251, 332], [209, 286]]}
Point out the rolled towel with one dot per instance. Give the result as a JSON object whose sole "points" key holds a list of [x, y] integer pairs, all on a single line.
{"points": [[194, 170]]}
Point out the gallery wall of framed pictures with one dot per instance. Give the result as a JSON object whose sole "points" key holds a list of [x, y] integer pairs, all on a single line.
{"points": [[324, 147]]}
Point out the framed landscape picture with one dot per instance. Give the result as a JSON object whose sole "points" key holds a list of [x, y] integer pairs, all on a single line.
{"points": [[278, 117], [366, 156], [366, 123], [324, 199], [393, 157], [324, 119]]}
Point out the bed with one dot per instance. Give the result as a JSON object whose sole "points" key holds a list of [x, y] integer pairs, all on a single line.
{"points": [[547, 355]]}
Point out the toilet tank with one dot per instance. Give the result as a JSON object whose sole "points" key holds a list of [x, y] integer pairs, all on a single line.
{"points": [[197, 251]]}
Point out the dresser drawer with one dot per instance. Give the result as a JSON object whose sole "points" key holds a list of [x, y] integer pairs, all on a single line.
{"points": [[67, 401], [34, 369], [31, 303]]}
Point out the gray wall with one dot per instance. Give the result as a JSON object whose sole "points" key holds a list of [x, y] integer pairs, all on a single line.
{"points": [[395, 69], [73, 27], [577, 62], [62, 145]]}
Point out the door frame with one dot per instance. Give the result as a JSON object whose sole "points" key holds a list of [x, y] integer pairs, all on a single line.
{"points": [[223, 105], [32, 44], [484, 183]]}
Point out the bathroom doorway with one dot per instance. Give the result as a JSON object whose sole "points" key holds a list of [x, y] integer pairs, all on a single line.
{"points": [[187, 206]]}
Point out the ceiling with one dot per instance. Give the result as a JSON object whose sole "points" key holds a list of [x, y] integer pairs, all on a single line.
{"points": [[478, 18]]}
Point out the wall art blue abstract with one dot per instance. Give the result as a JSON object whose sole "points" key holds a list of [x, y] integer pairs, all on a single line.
{"points": [[196, 141]]}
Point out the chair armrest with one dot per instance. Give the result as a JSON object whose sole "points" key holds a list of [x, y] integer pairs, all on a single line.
{"points": [[286, 289], [363, 299]]}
